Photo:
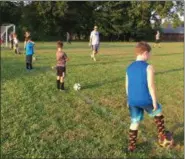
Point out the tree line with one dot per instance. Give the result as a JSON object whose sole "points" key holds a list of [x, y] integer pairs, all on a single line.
{"points": [[117, 21]]}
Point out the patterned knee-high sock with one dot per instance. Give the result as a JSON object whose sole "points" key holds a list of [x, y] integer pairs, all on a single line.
{"points": [[62, 85], [132, 139], [159, 120], [31, 66], [58, 84], [27, 65]]}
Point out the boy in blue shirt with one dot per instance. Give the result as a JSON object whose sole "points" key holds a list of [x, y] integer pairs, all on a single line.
{"points": [[29, 52], [140, 89]]}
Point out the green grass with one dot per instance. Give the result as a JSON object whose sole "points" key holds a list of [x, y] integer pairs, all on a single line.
{"points": [[38, 121]]}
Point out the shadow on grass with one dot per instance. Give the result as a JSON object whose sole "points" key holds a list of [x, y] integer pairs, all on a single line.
{"points": [[95, 85], [168, 71], [12, 68], [101, 63], [170, 54], [179, 138]]}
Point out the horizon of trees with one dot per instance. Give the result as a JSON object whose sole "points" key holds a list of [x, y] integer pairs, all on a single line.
{"points": [[117, 20]]}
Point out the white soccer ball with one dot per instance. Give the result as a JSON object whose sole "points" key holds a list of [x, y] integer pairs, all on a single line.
{"points": [[77, 86]]}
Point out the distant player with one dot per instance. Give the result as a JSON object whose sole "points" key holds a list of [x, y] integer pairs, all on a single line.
{"points": [[26, 35], [16, 44], [29, 52], [1, 42], [94, 42], [68, 38], [157, 39], [11, 40], [140, 89], [61, 59]]}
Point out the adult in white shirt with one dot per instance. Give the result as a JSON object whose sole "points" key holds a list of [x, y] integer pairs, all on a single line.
{"points": [[157, 39], [94, 42], [11, 40]]}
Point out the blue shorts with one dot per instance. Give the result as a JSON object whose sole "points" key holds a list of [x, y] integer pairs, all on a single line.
{"points": [[137, 112], [95, 47]]}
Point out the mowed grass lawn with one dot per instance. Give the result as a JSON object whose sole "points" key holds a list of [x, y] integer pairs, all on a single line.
{"points": [[38, 121]]}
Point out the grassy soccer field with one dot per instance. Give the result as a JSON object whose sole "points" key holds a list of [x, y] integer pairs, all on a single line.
{"points": [[38, 121]]}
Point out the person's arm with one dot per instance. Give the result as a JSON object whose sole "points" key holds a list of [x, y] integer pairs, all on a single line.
{"points": [[151, 85], [66, 57], [126, 86], [57, 56], [33, 49], [90, 40]]}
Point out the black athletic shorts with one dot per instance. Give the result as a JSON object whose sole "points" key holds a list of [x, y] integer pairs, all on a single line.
{"points": [[61, 71], [28, 58]]}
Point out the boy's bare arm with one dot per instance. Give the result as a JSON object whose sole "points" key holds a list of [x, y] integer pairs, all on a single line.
{"points": [[90, 40], [67, 59], [151, 85], [126, 86]]}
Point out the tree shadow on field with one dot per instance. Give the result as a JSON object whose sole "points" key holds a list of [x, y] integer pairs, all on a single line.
{"points": [[168, 71], [95, 85], [170, 54], [102, 63], [12, 68], [179, 138]]}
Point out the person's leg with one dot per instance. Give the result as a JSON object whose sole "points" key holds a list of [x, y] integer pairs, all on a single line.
{"points": [[94, 47], [136, 116], [31, 62], [159, 44], [62, 78], [27, 65], [158, 117], [58, 82], [92, 55], [58, 77], [155, 43], [17, 49], [62, 83], [12, 44], [159, 121]]}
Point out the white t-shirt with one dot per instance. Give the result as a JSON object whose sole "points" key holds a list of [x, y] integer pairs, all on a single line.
{"points": [[157, 36], [95, 37], [15, 40], [10, 37]]}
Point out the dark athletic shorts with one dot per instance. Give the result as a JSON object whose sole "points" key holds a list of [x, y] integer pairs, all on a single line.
{"points": [[158, 41], [95, 47], [28, 58], [61, 71]]}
